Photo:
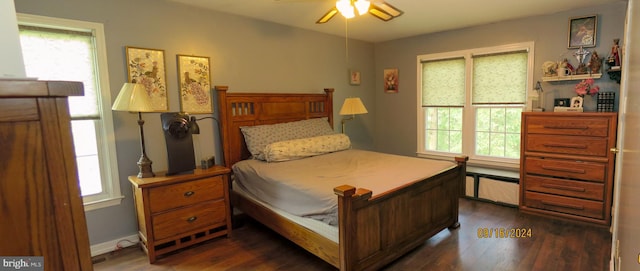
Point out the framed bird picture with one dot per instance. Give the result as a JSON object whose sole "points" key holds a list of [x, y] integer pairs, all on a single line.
{"points": [[146, 67], [194, 76]]}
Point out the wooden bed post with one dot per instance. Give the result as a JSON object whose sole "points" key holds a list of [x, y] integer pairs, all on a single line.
{"points": [[222, 114], [329, 106], [347, 224], [462, 162]]}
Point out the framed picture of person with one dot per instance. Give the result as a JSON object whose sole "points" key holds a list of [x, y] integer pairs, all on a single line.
{"points": [[583, 31], [576, 101]]}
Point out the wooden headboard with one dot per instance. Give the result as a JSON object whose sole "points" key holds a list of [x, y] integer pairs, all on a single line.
{"points": [[248, 109]]}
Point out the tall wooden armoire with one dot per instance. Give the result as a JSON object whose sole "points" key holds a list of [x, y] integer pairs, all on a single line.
{"points": [[41, 211]]}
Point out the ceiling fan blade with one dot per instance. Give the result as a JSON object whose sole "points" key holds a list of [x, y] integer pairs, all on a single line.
{"points": [[326, 17], [384, 11]]}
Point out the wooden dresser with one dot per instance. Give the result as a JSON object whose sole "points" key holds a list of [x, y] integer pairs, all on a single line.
{"points": [[40, 203], [181, 210], [567, 165]]}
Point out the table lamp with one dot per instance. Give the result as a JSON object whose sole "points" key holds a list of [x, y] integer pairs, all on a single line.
{"points": [[134, 98]]}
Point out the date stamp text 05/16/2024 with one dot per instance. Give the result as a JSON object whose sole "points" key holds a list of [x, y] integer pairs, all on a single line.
{"points": [[504, 233]]}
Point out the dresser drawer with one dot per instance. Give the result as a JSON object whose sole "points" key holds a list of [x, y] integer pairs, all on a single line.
{"points": [[187, 219], [567, 205], [577, 189], [587, 126], [182, 194], [592, 146], [589, 171]]}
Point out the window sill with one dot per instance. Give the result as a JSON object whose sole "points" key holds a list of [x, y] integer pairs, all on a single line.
{"points": [[104, 203], [478, 163]]}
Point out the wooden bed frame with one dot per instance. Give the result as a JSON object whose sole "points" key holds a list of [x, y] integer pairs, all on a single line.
{"points": [[373, 231]]}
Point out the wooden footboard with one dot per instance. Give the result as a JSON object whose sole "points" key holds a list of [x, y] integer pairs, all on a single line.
{"points": [[376, 231]]}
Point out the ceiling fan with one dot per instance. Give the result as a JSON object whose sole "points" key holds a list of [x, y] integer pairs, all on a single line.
{"points": [[348, 8]]}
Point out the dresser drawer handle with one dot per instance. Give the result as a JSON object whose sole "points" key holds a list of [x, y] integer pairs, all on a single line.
{"points": [[565, 127], [569, 146], [192, 219], [564, 187], [189, 194], [570, 170], [570, 206]]}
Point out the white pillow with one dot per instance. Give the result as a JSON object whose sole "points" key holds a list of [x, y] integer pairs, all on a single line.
{"points": [[305, 147], [259, 136]]}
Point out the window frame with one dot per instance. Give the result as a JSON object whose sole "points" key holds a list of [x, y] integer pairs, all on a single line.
{"points": [[469, 110], [111, 194]]}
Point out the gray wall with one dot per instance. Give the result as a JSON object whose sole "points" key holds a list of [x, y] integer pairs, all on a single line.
{"points": [[247, 55], [396, 116]]}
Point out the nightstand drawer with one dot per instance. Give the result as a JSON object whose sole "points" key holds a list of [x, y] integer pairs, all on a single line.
{"points": [[585, 190], [581, 207], [182, 194], [191, 218], [586, 126], [588, 171], [592, 146]]}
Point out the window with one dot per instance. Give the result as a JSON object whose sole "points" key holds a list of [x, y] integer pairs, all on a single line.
{"points": [[470, 103], [58, 49]]}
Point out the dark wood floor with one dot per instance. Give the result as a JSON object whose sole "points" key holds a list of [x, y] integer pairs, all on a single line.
{"points": [[553, 245]]}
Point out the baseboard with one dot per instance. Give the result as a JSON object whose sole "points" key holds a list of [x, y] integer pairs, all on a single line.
{"points": [[109, 246]]}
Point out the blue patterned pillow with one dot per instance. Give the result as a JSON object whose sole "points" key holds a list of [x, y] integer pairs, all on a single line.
{"points": [[259, 136]]}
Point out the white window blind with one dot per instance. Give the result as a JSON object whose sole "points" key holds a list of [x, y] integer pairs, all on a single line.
{"points": [[500, 78], [48, 58], [443, 82]]}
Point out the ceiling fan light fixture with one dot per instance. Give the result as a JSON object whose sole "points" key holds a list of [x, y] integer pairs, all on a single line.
{"points": [[362, 6], [345, 8]]}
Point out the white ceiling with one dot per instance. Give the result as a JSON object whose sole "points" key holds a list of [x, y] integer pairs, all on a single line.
{"points": [[420, 16]]}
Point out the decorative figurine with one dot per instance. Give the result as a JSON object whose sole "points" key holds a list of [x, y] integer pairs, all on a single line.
{"points": [[614, 56], [595, 63]]}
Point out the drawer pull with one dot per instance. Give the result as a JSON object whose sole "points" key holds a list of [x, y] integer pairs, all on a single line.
{"points": [[570, 206], [570, 170], [192, 219], [188, 194], [564, 187], [568, 146], [566, 127]]}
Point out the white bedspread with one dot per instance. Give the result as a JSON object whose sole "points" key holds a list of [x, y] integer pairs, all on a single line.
{"points": [[305, 187]]}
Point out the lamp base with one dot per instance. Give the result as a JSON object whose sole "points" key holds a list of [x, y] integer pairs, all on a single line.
{"points": [[145, 167]]}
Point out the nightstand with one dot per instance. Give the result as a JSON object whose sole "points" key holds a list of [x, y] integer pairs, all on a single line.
{"points": [[177, 211]]}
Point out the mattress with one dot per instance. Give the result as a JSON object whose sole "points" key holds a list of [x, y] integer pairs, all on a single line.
{"points": [[304, 187]]}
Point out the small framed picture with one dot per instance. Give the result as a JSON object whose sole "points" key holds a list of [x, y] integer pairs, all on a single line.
{"points": [[576, 101], [562, 102], [146, 66], [194, 76], [391, 80], [583, 31], [354, 77]]}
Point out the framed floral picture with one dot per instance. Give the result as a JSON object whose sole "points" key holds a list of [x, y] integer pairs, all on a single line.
{"points": [[146, 67], [194, 76], [583, 31], [391, 80]]}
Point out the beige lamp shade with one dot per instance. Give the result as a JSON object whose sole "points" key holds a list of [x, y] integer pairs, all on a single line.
{"points": [[353, 106], [132, 98]]}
